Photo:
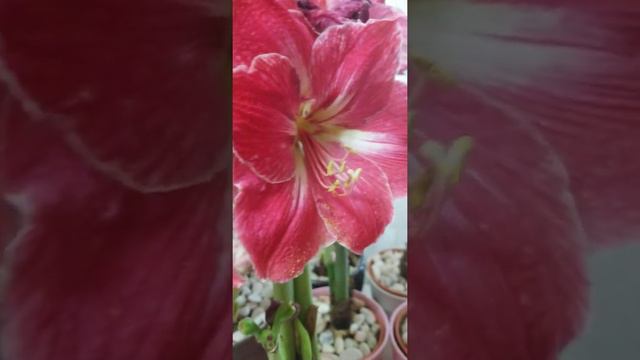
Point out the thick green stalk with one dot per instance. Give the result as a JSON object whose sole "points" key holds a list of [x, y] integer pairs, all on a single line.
{"points": [[303, 297], [340, 290], [340, 294], [287, 337], [302, 291]]}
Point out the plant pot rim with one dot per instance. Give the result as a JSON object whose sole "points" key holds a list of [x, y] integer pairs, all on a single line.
{"points": [[378, 311], [398, 315], [393, 293]]}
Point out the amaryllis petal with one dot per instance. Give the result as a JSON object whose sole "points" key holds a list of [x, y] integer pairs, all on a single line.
{"points": [[268, 26], [278, 224], [134, 85], [265, 103], [353, 70], [99, 268], [502, 269], [382, 11], [356, 219], [569, 71], [383, 140], [9, 222]]}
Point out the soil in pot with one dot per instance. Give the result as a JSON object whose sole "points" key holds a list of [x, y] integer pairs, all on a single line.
{"points": [[385, 268], [353, 344]]}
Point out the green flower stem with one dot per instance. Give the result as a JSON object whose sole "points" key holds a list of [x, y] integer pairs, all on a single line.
{"points": [[287, 337], [340, 288], [339, 285], [303, 297], [302, 291]]}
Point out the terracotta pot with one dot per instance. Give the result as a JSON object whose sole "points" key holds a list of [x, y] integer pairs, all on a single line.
{"points": [[400, 349], [381, 317], [388, 298]]}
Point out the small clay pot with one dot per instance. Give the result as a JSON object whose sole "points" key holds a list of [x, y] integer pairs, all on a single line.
{"points": [[381, 317], [388, 298], [400, 348]]}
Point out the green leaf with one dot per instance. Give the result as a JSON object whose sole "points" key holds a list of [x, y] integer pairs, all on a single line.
{"points": [[267, 338], [304, 341], [284, 313], [248, 327]]}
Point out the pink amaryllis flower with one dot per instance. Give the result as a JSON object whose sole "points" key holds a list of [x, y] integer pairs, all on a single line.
{"points": [[324, 13], [319, 131], [549, 92]]}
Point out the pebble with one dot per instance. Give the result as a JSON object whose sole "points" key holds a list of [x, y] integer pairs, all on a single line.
{"points": [[257, 287], [360, 336], [339, 344], [241, 300], [371, 340], [385, 269], [350, 343], [358, 319], [365, 349], [267, 293], [256, 298], [259, 317], [328, 356], [320, 326], [238, 336], [327, 348], [265, 303], [351, 354], [325, 337], [244, 312], [257, 311], [324, 308], [368, 315], [365, 328]]}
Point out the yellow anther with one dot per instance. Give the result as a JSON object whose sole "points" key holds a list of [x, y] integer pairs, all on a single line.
{"points": [[343, 164], [334, 186], [353, 176], [330, 170]]}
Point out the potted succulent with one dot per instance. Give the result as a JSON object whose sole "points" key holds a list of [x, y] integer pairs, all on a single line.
{"points": [[386, 271], [400, 339]]}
